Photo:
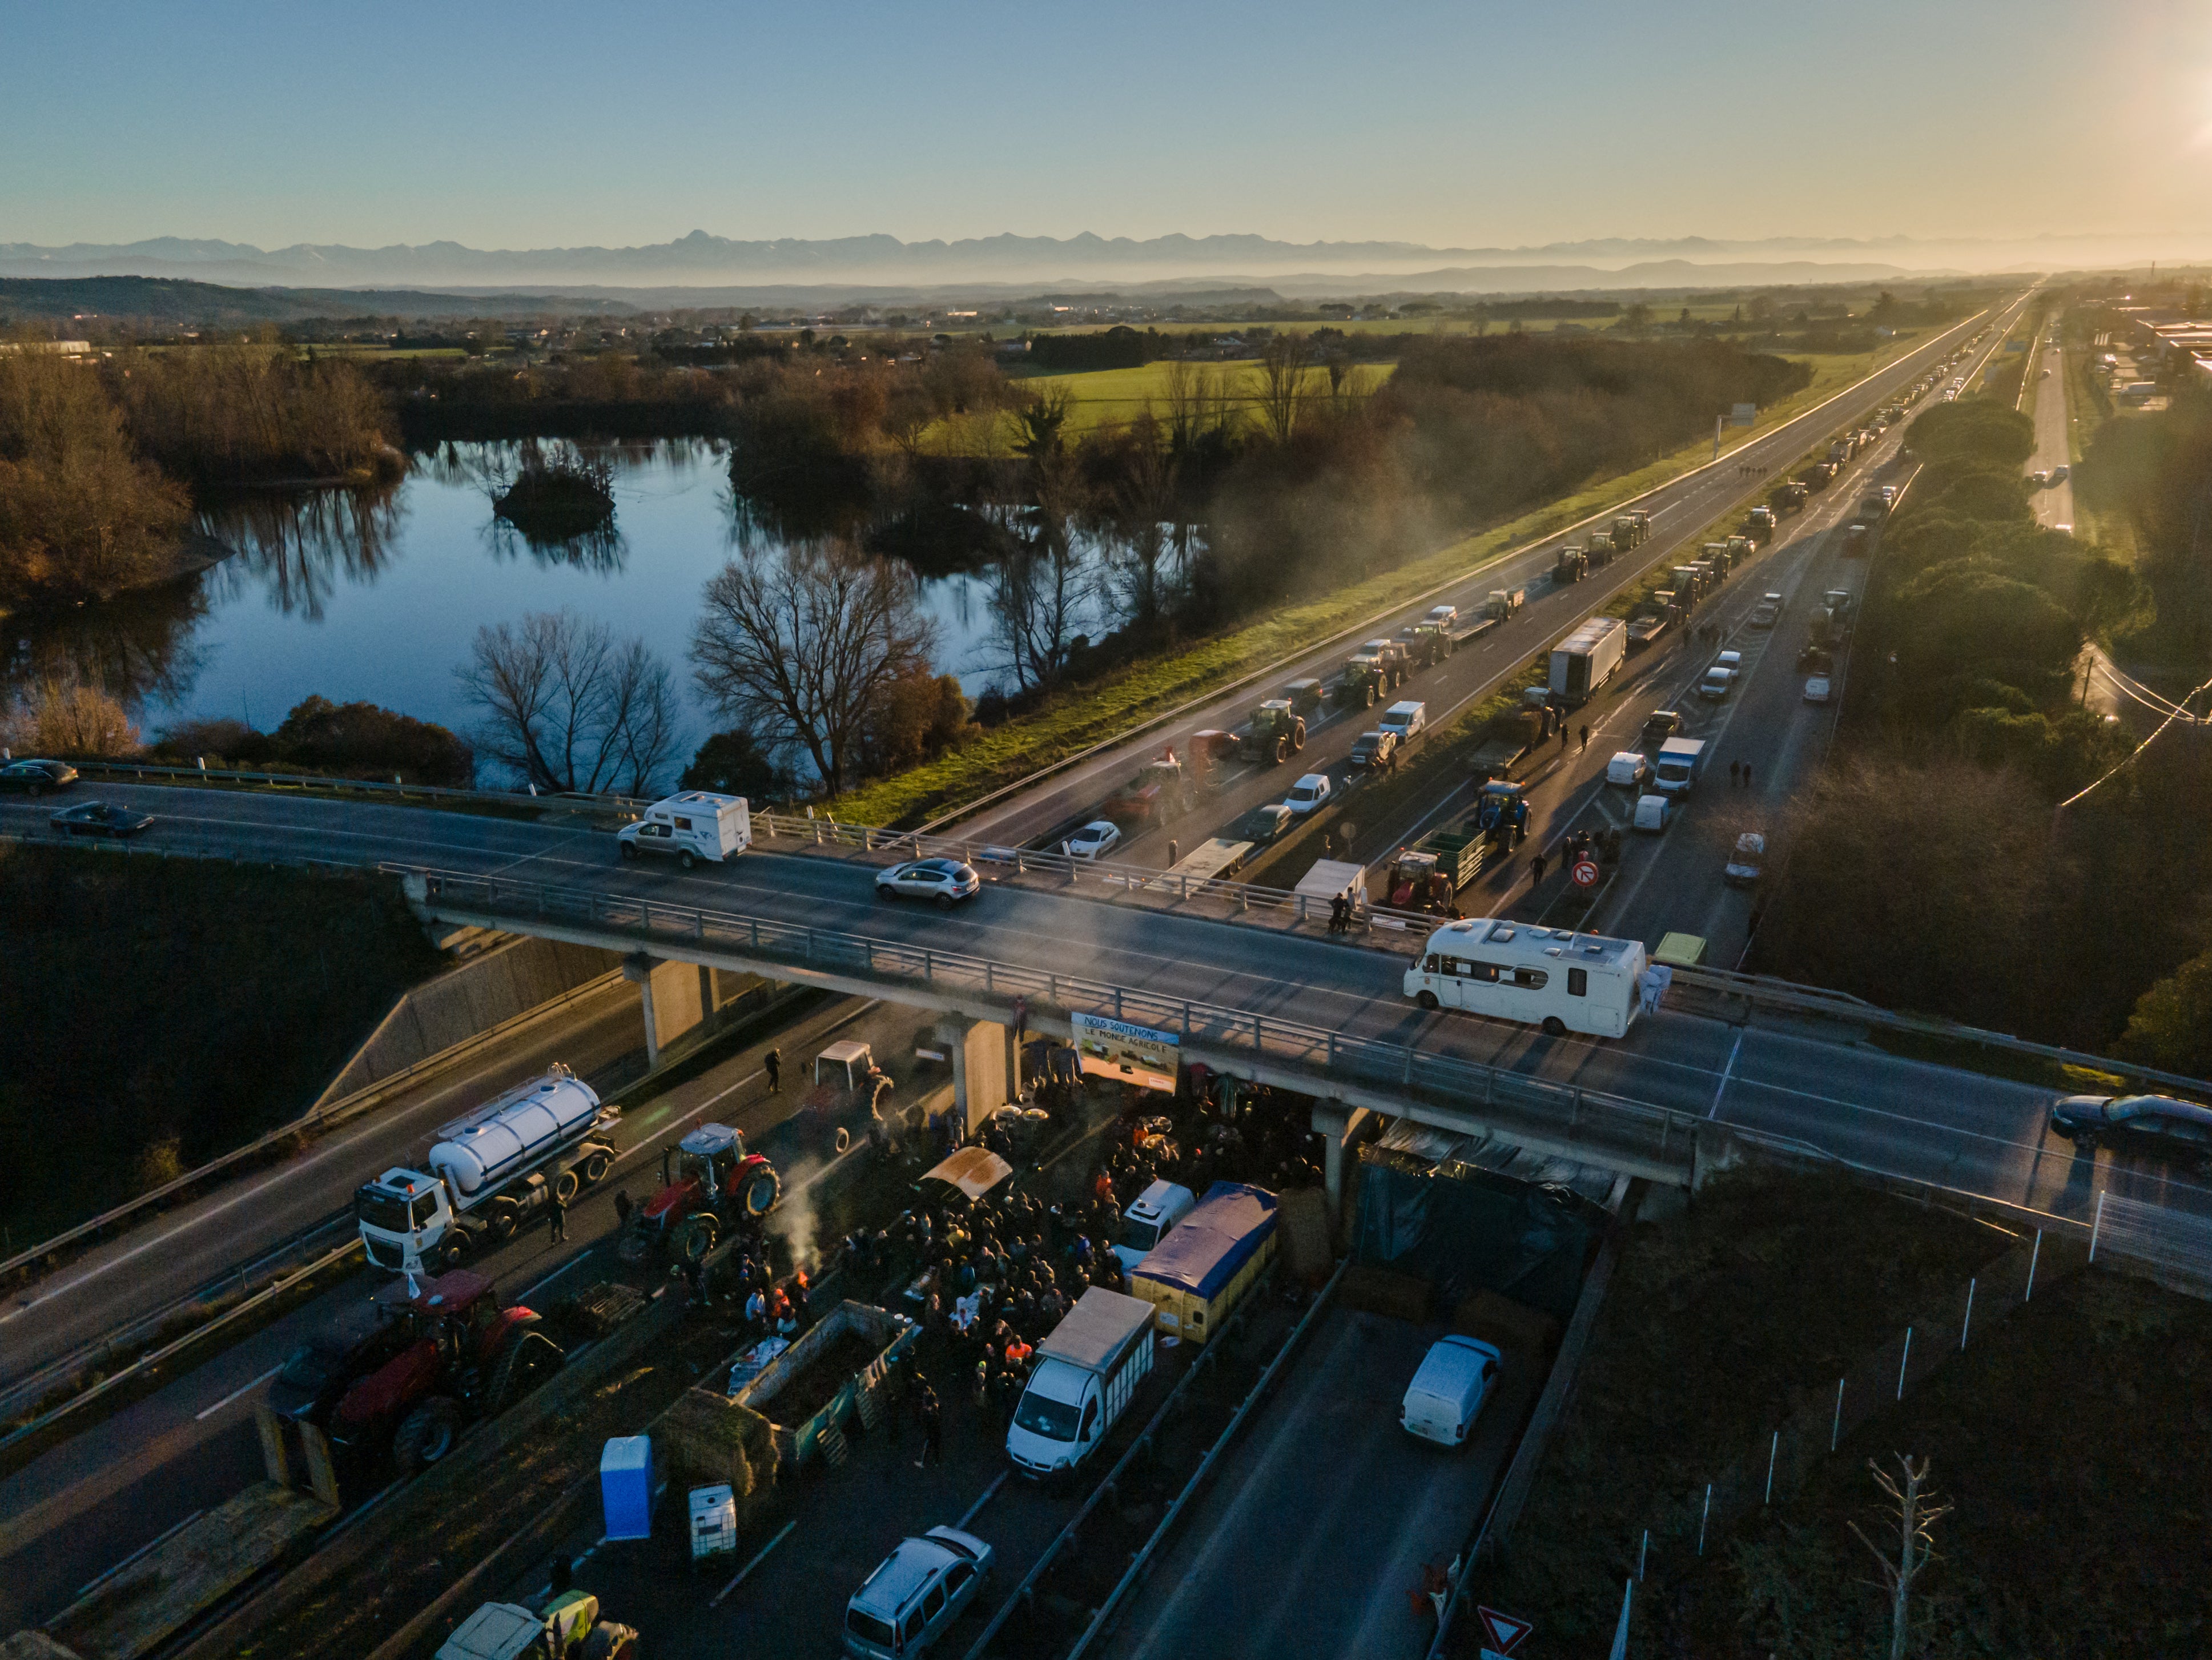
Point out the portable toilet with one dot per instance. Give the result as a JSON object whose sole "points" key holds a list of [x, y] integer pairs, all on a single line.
{"points": [[626, 1487]]}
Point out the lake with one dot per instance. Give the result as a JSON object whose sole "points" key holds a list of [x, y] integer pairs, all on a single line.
{"points": [[379, 601]]}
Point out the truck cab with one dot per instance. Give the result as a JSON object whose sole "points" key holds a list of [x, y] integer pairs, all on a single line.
{"points": [[691, 827], [1150, 1217]]}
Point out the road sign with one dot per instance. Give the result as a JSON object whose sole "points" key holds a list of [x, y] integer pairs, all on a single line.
{"points": [[1503, 1630], [1586, 872], [1744, 415]]}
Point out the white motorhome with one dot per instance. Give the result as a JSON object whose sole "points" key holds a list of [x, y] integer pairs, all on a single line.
{"points": [[1552, 977], [1088, 1369], [689, 827], [1148, 1219]]}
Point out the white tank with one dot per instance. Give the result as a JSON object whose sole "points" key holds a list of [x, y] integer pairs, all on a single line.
{"points": [[510, 1135]]}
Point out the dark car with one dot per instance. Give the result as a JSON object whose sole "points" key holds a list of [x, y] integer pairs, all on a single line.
{"points": [[2180, 1130], [1374, 749], [36, 777], [1262, 825], [1661, 725], [100, 819]]}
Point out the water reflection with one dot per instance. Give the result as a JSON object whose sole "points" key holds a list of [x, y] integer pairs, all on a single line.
{"points": [[294, 546], [140, 647]]}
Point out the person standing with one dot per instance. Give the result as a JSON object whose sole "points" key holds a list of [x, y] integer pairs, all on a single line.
{"points": [[1584, 735], [773, 1061], [556, 1219], [933, 1430], [1536, 866]]}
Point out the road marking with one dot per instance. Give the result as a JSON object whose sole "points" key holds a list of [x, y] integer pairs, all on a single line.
{"points": [[243, 1389], [1727, 1072]]}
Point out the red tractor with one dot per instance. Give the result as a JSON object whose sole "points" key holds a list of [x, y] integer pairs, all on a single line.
{"points": [[1160, 794], [713, 1184], [466, 1357]]}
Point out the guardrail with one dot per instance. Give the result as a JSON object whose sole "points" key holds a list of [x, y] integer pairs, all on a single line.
{"points": [[148, 772], [1656, 1140]]}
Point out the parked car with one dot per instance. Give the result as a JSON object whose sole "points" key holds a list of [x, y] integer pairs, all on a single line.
{"points": [[945, 880], [1731, 660], [914, 1594], [1748, 862], [1661, 725], [1652, 812], [2160, 1124], [1716, 683], [1094, 841], [1628, 769], [1446, 1392], [1262, 825], [1767, 612], [1309, 792], [36, 777], [2060, 473], [1817, 689], [1374, 749], [100, 819]]}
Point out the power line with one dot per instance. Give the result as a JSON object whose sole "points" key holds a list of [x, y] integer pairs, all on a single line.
{"points": [[2178, 714]]}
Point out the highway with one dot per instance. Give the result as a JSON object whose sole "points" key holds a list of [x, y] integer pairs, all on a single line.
{"points": [[2053, 503], [1680, 512], [1853, 1100]]}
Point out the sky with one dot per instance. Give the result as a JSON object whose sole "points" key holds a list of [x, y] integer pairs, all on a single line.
{"points": [[1477, 123]]}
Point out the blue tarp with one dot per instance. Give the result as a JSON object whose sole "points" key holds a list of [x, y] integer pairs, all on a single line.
{"points": [[1203, 1252]]}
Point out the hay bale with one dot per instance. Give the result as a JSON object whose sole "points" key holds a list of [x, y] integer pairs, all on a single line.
{"points": [[34, 1645], [1380, 1291], [1512, 1327], [1302, 1223], [704, 1439]]}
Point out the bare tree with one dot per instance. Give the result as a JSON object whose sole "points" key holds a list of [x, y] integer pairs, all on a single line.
{"points": [[1284, 361], [799, 647], [1145, 536], [62, 715], [1917, 1513], [568, 708], [1042, 589]]}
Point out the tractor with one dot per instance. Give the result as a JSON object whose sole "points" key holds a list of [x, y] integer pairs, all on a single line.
{"points": [[1160, 794], [1365, 678], [711, 1184], [1276, 731], [1501, 814], [467, 1357]]}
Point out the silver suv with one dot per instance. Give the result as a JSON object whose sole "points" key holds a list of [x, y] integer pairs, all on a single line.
{"points": [[914, 1594]]}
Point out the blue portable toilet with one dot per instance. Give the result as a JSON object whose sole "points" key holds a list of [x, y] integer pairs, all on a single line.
{"points": [[626, 1487]]}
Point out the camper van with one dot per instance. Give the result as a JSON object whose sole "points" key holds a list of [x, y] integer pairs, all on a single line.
{"points": [[1552, 977], [689, 827]]}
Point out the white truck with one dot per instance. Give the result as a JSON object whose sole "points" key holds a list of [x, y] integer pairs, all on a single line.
{"points": [[1587, 659], [488, 1170], [689, 827], [1215, 861], [1088, 1369], [1679, 762], [1151, 1215]]}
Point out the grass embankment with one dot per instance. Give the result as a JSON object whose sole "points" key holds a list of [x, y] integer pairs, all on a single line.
{"points": [[162, 1010], [1093, 713], [1722, 1321]]}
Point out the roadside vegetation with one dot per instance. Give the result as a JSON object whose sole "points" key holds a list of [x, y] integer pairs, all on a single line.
{"points": [[163, 1011], [1723, 1322]]}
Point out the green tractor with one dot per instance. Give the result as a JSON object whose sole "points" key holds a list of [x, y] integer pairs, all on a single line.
{"points": [[1277, 731]]}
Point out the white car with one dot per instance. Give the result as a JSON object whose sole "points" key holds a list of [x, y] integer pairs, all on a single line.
{"points": [[945, 880], [1094, 841], [1716, 683], [1817, 689], [1309, 792], [1731, 660], [1748, 862], [915, 1594]]}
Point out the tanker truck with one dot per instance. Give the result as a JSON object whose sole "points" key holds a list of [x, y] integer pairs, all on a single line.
{"points": [[488, 1171]]}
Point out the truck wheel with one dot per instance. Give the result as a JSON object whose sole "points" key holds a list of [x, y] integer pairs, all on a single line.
{"points": [[456, 1250], [696, 1239], [1427, 999], [686, 858], [565, 1185], [596, 1167], [528, 1359], [503, 1218], [629, 850], [427, 1434], [762, 1190], [1554, 1027]]}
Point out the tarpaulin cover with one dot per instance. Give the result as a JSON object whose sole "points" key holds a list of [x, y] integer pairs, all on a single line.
{"points": [[1206, 1247], [1465, 1230]]}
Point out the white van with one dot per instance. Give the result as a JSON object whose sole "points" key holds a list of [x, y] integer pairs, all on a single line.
{"points": [[689, 827], [1627, 768], [1408, 720], [1446, 1392], [1652, 812], [1148, 1219], [1088, 1368]]}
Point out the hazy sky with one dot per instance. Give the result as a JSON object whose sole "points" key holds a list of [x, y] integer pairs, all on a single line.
{"points": [[1470, 123]]}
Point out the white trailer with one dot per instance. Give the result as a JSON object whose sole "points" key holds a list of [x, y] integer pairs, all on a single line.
{"points": [[1587, 659], [1554, 978], [488, 1170], [1088, 1369], [1216, 859], [689, 827]]}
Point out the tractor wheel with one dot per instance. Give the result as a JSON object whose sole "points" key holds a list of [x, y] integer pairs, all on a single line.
{"points": [[763, 1188], [841, 1143], [1427, 999], [1282, 749], [566, 1184], [427, 1434], [697, 1239], [1367, 695], [609, 1641], [529, 1358], [595, 1168], [1298, 735]]}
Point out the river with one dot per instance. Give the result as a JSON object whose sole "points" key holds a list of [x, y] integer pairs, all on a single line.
{"points": [[378, 600]]}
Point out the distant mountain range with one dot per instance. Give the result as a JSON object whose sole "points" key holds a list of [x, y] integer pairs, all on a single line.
{"points": [[702, 260]]}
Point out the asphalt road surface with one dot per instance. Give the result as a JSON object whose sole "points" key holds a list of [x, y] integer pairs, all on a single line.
{"points": [[1680, 511]]}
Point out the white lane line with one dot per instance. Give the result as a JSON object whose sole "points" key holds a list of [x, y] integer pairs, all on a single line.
{"points": [[243, 1389], [1727, 1072]]}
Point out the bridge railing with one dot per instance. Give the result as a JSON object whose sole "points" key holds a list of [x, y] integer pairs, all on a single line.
{"points": [[1616, 1127]]}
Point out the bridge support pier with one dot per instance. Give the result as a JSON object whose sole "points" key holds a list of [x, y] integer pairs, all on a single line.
{"points": [[1338, 1124], [979, 1050], [1715, 1149], [637, 969]]}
